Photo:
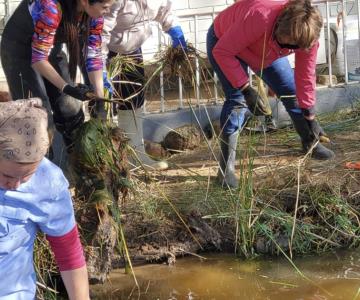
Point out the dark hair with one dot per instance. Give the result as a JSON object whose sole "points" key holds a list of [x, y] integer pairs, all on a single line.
{"points": [[301, 22], [73, 29]]}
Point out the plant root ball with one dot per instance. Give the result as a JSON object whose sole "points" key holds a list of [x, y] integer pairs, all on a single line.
{"points": [[183, 138]]}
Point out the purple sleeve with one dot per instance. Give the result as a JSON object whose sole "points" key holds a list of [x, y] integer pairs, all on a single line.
{"points": [[46, 15], [94, 56]]}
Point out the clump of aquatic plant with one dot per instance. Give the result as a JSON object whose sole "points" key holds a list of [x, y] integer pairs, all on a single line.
{"points": [[190, 65], [125, 64], [99, 159], [100, 155], [171, 62]]}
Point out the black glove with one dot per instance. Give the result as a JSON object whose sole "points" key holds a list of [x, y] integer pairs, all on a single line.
{"points": [[315, 128], [256, 104], [81, 91]]}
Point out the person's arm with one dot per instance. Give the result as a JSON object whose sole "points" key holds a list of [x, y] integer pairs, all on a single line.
{"points": [[96, 80], [305, 79], [46, 16], [76, 283], [165, 16], [70, 259], [45, 69], [110, 21], [94, 59], [57, 221]]}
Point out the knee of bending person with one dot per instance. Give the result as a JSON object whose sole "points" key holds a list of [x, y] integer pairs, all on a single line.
{"points": [[234, 97]]}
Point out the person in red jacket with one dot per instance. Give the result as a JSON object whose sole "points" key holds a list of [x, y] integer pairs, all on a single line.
{"points": [[260, 34]]}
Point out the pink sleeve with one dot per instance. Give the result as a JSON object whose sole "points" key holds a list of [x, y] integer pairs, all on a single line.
{"points": [[241, 34], [305, 76], [68, 250]]}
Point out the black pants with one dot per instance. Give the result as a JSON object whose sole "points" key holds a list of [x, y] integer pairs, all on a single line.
{"points": [[64, 111]]}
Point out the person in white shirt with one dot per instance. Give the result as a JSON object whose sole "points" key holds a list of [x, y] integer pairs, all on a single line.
{"points": [[126, 27]]}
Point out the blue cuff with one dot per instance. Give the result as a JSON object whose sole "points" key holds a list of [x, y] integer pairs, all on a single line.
{"points": [[296, 110], [175, 32], [177, 37], [107, 83]]}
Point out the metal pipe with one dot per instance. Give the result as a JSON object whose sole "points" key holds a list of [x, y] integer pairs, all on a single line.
{"points": [[216, 93], [344, 29], [329, 42], [7, 11], [197, 62], [181, 104], [162, 93], [250, 72], [358, 15]]}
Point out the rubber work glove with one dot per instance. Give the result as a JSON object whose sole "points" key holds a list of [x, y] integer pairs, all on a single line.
{"points": [[316, 129], [177, 37], [107, 83], [80, 91], [256, 104]]}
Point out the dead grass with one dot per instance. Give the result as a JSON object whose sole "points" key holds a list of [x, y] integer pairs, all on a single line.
{"points": [[286, 200]]}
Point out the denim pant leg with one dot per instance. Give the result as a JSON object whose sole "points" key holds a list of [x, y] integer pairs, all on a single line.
{"points": [[234, 108], [279, 76]]}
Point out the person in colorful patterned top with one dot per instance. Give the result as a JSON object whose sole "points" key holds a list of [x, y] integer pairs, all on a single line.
{"points": [[260, 34], [35, 64], [34, 196]]}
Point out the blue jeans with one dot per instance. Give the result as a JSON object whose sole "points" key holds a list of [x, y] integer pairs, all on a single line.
{"points": [[279, 76]]}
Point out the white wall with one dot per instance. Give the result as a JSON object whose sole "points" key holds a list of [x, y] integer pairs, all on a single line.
{"points": [[186, 10]]}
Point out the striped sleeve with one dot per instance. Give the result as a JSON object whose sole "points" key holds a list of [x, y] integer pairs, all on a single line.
{"points": [[46, 16], [94, 55]]}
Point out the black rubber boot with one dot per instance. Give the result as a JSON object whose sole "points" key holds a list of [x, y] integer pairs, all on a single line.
{"points": [[308, 139], [226, 174]]}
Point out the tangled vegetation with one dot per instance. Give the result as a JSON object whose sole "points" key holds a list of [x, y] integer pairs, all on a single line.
{"points": [[286, 204]]}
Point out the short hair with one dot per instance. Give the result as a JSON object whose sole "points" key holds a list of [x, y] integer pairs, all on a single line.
{"points": [[300, 21]]}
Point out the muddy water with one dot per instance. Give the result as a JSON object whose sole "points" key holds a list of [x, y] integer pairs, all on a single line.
{"points": [[223, 277]]}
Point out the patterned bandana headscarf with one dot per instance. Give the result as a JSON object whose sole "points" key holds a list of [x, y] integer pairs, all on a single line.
{"points": [[23, 131]]}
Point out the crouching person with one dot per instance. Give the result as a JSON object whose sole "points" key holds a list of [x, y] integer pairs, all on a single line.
{"points": [[260, 34], [34, 197]]}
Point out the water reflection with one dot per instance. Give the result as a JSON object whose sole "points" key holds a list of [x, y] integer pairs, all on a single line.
{"points": [[220, 277]]}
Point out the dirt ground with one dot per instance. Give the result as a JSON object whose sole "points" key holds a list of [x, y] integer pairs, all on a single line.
{"points": [[184, 211]]}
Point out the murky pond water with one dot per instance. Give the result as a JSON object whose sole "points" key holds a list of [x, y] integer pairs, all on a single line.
{"points": [[223, 277]]}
